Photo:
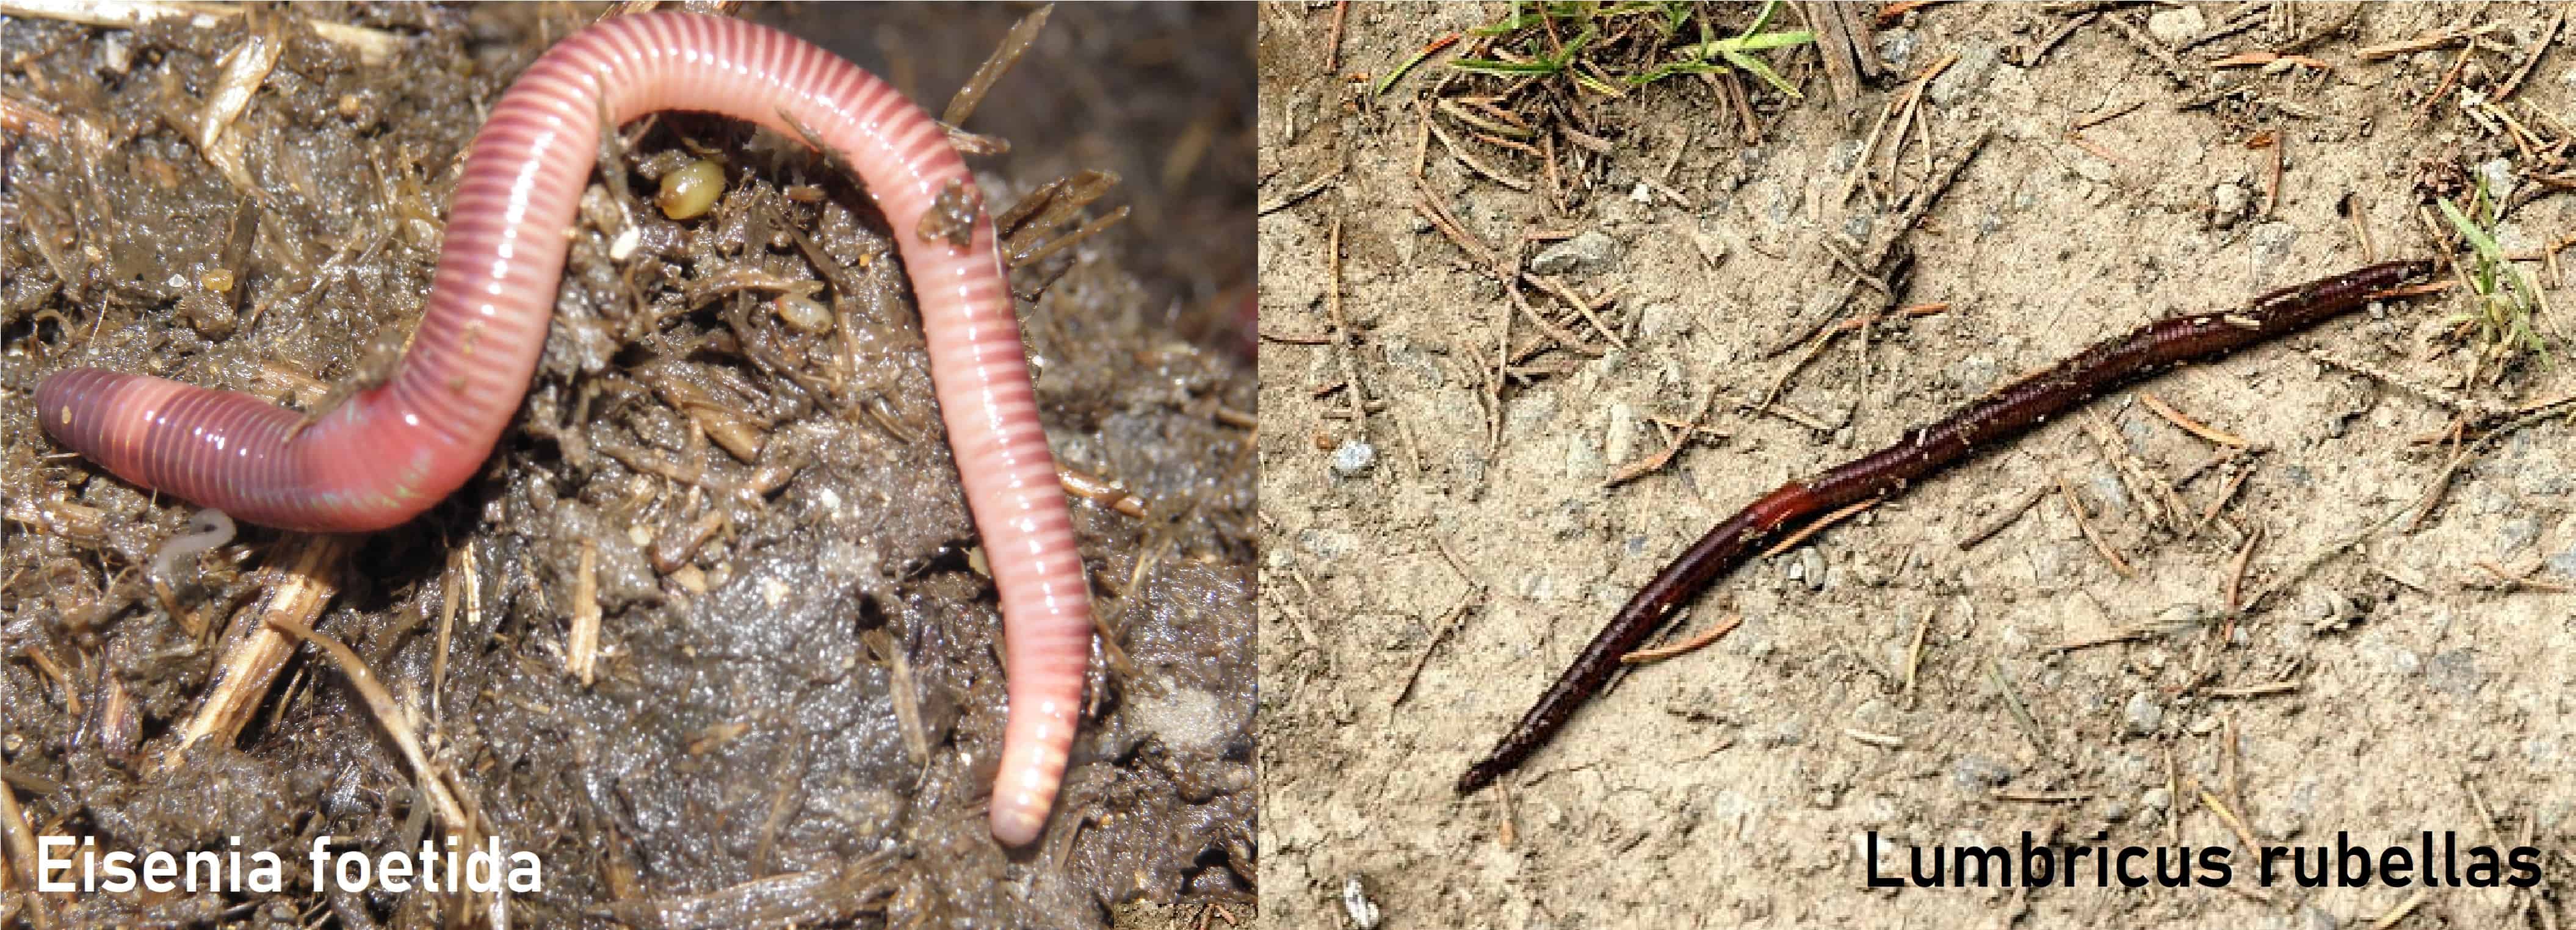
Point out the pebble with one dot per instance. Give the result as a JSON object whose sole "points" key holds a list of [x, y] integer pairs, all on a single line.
{"points": [[2405, 662], [2564, 563], [1659, 322], [1712, 247], [1896, 47], [1327, 545], [1842, 155], [1355, 901], [2115, 810], [2143, 715], [2272, 243], [1814, 563], [2312, 917], [1619, 443], [2172, 27], [1975, 372], [1569, 519], [2454, 672], [2497, 174], [1592, 249], [2105, 483], [1976, 774], [2093, 168], [1975, 65], [1786, 733], [116, 51], [2517, 534], [2047, 566], [1858, 226], [1354, 458], [2491, 500], [2231, 200]]}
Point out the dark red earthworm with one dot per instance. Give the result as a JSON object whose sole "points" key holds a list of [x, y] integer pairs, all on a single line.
{"points": [[390, 452], [2007, 412]]}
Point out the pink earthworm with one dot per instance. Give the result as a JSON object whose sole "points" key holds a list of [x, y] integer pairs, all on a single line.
{"points": [[391, 451]]}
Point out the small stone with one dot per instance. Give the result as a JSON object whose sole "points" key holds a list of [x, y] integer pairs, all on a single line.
{"points": [[1842, 156], [1814, 563], [1592, 249], [1975, 65], [1975, 372], [2156, 799], [1354, 458], [2497, 175], [2517, 533], [1712, 247], [2454, 672], [2142, 715], [116, 51], [1355, 901], [2104, 482], [1659, 322], [1328, 545], [2173, 27], [1858, 226], [1569, 519], [2272, 243], [1896, 47], [2229, 203], [1641, 193], [2564, 564], [1786, 733], [1977, 774], [2312, 917], [1619, 442], [2093, 168]]}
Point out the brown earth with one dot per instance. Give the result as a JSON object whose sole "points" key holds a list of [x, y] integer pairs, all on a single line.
{"points": [[1419, 597], [811, 696]]}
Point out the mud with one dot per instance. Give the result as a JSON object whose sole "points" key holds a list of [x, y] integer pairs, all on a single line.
{"points": [[1428, 567], [798, 699]]}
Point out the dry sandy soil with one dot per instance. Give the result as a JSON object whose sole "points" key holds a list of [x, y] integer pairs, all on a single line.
{"points": [[1428, 568]]}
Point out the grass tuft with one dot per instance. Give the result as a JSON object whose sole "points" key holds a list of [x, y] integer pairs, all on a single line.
{"points": [[2506, 297], [1606, 48]]}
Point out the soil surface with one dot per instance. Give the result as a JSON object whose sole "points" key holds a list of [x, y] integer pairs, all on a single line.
{"points": [[1432, 561], [797, 696]]}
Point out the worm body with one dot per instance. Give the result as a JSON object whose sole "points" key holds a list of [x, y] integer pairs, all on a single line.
{"points": [[2003, 414], [391, 452]]}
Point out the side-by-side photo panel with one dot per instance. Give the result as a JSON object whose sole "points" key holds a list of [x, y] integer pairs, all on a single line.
{"points": [[628, 465], [1917, 464]]}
